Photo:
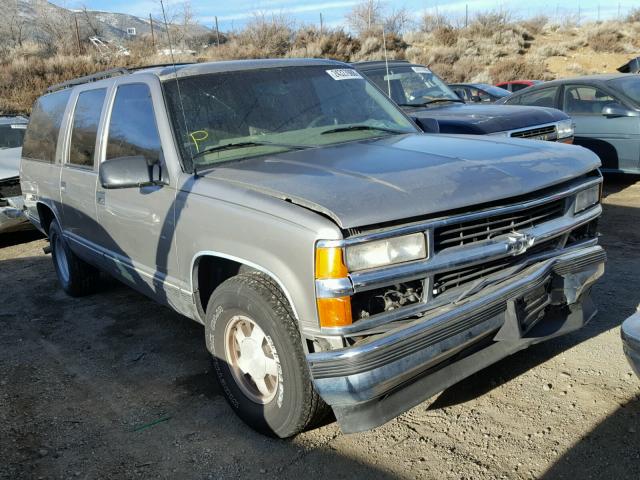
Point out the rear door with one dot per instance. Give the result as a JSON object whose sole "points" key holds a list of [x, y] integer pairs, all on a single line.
{"points": [[79, 172], [616, 140], [138, 223]]}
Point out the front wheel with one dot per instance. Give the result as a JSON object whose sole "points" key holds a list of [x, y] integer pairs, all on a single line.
{"points": [[258, 356]]}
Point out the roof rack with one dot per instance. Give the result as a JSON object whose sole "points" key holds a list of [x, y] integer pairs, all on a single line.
{"points": [[114, 72]]}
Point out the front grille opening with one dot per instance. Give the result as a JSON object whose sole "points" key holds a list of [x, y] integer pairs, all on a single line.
{"points": [[584, 232], [465, 233], [533, 306], [548, 131], [372, 302], [463, 276]]}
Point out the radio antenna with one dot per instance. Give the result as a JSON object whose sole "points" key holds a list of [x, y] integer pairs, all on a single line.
{"points": [[175, 72], [386, 60]]}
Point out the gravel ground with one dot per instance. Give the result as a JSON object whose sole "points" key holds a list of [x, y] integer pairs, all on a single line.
{"points": [[115, 386]]}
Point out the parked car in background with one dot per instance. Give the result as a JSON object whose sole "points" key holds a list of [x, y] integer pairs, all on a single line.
{"points": [[437, 109], [605, 110], [479, 92], [12, 217], [630, 332], [333, 252], [517, 85]]}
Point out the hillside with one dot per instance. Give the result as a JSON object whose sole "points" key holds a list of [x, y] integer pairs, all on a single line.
{"points": [[491, 48]]}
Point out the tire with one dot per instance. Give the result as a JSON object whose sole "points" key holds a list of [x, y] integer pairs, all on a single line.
{"points": [[287, 404], [76, 276]]}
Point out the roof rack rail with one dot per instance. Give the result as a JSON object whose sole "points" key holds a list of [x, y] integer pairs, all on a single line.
{"points": [[114, 72], [158, 65]]}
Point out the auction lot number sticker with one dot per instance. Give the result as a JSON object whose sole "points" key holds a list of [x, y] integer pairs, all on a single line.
{"points": [[344, 74]]}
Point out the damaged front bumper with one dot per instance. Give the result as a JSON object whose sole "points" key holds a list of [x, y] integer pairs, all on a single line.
{"points": [[372, 382], [12, 217]]}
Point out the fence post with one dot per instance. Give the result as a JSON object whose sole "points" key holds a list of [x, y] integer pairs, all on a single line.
{"points": [[153, 37]]}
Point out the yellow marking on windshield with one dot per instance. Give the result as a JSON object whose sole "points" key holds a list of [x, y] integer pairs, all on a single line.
{"points": [[199, 136]]}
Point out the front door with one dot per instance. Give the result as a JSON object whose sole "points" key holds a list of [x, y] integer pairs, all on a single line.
{"points": [[616, 140], [79, 175], [138, 222]]}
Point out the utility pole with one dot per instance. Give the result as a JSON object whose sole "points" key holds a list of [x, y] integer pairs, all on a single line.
{"points": [[598, 12], [75, 19], [217, 32], [321, 24], [466, 15], [153, 37]]}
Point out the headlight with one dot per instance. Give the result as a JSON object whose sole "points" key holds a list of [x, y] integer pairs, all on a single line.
{"points": [[565, 129], [587, 198], [386, 252]]}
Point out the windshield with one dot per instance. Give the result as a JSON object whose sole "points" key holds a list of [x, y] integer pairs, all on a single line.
{"points": [[411, 85], [220, 117], [629, 86], [11, 135]]}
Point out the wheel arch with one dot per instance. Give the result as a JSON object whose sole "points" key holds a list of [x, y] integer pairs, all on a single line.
{"points": [[46, 214], [209, 269]]}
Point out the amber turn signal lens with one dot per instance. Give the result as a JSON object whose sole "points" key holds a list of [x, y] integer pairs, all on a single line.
{"points": [[334, 312], [567, 140], [330, 263]]}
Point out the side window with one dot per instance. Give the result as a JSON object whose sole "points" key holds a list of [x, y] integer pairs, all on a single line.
{"points": [[462, 93], [132, 128], [585, 100], [539, 98], [516, 87], [41, 137], [86, 118]]}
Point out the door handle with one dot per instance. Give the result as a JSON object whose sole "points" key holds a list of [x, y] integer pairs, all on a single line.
{"points": [[100, 197]]}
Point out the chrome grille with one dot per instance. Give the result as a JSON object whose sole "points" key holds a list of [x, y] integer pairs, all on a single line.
{"points": [[463, 276], [541, 133], [489, 227]]}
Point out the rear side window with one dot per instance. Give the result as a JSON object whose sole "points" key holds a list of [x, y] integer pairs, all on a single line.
{"points": [[41, 137], [85, 127], [132, 128], [539, 98]]}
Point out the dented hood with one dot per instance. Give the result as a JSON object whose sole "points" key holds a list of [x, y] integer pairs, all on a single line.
{"points": [[404, 176]]}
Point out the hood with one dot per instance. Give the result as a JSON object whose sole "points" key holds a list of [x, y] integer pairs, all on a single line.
{"points": [[483, 119], [10, 162], [404, 176]]}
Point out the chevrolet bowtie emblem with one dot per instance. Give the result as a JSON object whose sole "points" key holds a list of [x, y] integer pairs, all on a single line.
{"points": [[519, 242]]}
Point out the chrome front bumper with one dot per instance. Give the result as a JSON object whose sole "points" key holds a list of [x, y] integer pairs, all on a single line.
{"points": [[372, 382], [12, 215]]}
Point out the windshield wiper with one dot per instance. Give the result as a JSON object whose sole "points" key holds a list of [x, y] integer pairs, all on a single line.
{"points": [[234, 145], [351, 128], [435, 100]]}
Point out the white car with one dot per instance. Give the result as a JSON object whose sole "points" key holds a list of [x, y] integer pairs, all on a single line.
{"points": [[11, 205]]}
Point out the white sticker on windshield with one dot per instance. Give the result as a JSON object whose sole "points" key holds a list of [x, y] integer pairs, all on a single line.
{"points": [[19, 126], [421, 69], [344, 74]]}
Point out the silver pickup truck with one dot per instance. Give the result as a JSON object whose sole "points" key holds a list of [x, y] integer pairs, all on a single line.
{"points": [[335, 255]]}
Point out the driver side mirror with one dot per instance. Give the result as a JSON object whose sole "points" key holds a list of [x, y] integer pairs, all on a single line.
{"points": [[617, 110], [129, 172]]}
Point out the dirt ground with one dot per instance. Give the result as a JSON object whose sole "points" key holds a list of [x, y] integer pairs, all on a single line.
{"points": [[114, 386]]}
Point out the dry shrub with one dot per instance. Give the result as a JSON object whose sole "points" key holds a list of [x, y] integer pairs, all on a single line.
{"points": [[551, 50], [446, 36], [605, 39], [487, 23], [517, 69], [535, 25], [372, 48]]}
